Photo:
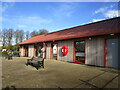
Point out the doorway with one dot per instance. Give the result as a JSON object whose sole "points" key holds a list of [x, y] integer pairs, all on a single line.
{"points": [[112, 51], [80, 52], [54, 49], [26, 50]]}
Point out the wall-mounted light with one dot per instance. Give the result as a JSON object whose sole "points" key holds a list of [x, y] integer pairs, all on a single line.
{"points": [[112, 34], [90, 38]]}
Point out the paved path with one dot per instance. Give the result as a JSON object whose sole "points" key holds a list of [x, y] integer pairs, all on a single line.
{"points": [[56, 74]]}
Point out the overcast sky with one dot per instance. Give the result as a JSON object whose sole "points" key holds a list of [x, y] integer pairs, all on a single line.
{"points": [[54, 16]]}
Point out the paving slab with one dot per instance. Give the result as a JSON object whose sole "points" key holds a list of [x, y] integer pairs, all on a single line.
{"points": [[113, 83], [101, 80], [85, 85]]}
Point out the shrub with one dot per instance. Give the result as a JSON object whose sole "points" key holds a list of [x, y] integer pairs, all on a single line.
{"points": [[16, 53], [4, 53]]}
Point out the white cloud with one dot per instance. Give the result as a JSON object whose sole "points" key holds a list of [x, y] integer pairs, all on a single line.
{"points": [[26, 21], [103, 9], [33, 20], [96, 20], [5, 6], [66, 9], [100, 10], [112, 13], [22, 26], [108, 14], [112, 6]]}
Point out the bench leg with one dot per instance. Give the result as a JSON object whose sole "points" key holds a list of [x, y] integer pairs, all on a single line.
{"points": [[26, 64], [37, 67], [10, 57], [43, 65]]}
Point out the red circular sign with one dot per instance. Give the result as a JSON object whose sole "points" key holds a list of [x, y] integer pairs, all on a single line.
{"points": [[65, 50]]}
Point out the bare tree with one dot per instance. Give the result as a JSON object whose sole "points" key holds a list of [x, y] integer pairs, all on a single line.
{"points": [[10, 36], [40, 32], [33, 33], [27, 35], [43, 31], [0, 36], [4, 37], [16, 35], [21, 35]]}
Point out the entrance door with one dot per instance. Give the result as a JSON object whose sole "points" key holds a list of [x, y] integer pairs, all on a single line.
{"points": [[54, 51], [26, 51], [80, 52], [112, 52]]}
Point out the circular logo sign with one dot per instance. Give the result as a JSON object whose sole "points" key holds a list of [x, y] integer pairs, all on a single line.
{"points": [[65, 50]]}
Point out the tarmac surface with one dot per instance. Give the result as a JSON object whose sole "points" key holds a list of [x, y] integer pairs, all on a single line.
{"points": [[56, 74]]}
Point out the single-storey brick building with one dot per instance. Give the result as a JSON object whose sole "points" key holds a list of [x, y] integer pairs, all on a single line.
{"points": [[96, 44]]}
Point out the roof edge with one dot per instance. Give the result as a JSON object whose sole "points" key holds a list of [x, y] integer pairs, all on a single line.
{"points": [[82, 25]]}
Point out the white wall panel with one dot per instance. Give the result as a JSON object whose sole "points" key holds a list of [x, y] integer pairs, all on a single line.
{"points": [[95, 51], [30, 50]]}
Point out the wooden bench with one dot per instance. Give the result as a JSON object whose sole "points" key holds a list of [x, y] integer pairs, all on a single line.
{"points": [[36, 62]]}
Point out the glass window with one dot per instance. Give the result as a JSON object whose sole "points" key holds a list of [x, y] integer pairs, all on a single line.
{"points": [[80, 51]]}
